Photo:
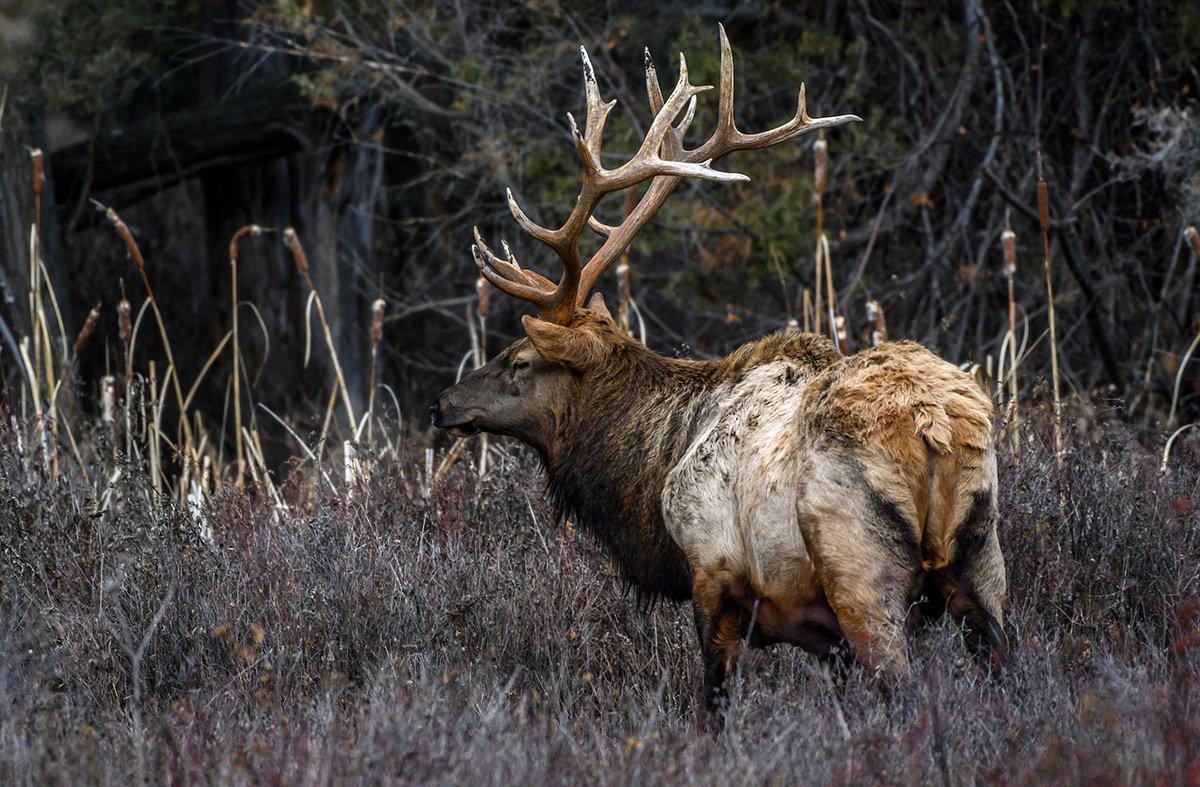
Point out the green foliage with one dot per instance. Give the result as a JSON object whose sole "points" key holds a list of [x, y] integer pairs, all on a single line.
{"points": [[92, 59]]}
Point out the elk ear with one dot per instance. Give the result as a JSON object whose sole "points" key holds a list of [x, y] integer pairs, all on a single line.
{"points": [[569, 346], [596, 304]]}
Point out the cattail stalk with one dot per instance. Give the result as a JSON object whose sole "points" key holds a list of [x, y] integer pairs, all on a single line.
{"points": [[125, 331], [239, 449], [1008, 243], [42, 358], [153, 434], [831, 304], [377, 309], [36, 396], [483, 307], [624, 291], [820, 166], [135, 254], [1043, 206], [35, 250], [879, 332], [293, 243]]}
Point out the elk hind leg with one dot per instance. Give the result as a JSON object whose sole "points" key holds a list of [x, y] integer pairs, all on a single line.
{"points": [[867, 557], [973, 582]]}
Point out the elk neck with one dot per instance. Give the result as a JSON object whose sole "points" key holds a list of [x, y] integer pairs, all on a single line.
{"points": [[610, 452]]}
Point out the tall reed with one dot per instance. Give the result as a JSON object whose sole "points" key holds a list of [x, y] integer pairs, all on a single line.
{"points": [[1043, 208], [184, 433], [239, 448], [820, 174], [483, 306], [1008, 244], [293, 242]]}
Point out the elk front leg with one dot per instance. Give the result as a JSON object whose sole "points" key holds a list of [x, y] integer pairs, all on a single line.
{"points": [[720, 625]]}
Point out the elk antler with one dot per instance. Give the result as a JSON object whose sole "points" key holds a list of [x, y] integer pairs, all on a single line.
{"points": [[661, 158]]}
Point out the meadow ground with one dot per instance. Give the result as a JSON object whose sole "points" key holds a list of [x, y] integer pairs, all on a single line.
{"points": [[465, 637]]}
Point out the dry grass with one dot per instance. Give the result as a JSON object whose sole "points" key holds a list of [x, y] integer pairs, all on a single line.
{"points": [[464, 637]]}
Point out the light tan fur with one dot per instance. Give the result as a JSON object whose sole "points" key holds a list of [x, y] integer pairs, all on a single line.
{"points": [[777, 503]]}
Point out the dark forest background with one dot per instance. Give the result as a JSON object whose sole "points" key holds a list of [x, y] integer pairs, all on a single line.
{"points": [[382, 131]]}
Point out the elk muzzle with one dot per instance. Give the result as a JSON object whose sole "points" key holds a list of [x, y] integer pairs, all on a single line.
{"points": [[456, 420]]}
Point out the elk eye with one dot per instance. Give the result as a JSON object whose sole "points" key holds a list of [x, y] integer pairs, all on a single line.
{"points": [[520, 364]]}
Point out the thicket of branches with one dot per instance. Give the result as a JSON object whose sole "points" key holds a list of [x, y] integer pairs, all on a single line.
{"points": [[399, 126], [964, 104]]}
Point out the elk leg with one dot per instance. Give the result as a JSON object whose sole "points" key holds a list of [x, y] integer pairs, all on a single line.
{"points": [[974, 584], [868, 569], [719, 627]]}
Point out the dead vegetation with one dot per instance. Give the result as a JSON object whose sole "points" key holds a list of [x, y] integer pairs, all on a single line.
{"points": [[463, 636]]}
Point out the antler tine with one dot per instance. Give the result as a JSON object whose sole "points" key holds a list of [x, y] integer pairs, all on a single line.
{"points": [[500, 267], [597, 108], [653, 88], [648, 162], [665, 117], [507, 269], [533, 230], [599, 227], [726, 138], [486, 262], [531, 275], [725, 122], [682, 128]]}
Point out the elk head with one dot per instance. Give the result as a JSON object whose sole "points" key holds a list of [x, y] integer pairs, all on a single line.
{"points": [[521, 390]]}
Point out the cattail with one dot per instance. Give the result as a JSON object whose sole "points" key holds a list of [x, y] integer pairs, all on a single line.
{"points": [[89, 325], [879, 333], [377, 309], [108, 399], [39, 174], [820, 164], [482, 308], [239, 448], [480, 345], [843, 338], [624, 290], [481, 289], [39, 184], [1008, 241], [135, 254], [1193, 238], [293, 243], [124, 321]]}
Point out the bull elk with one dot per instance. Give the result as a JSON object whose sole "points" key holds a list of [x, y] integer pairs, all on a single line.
{"points": [[794, 495]]}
